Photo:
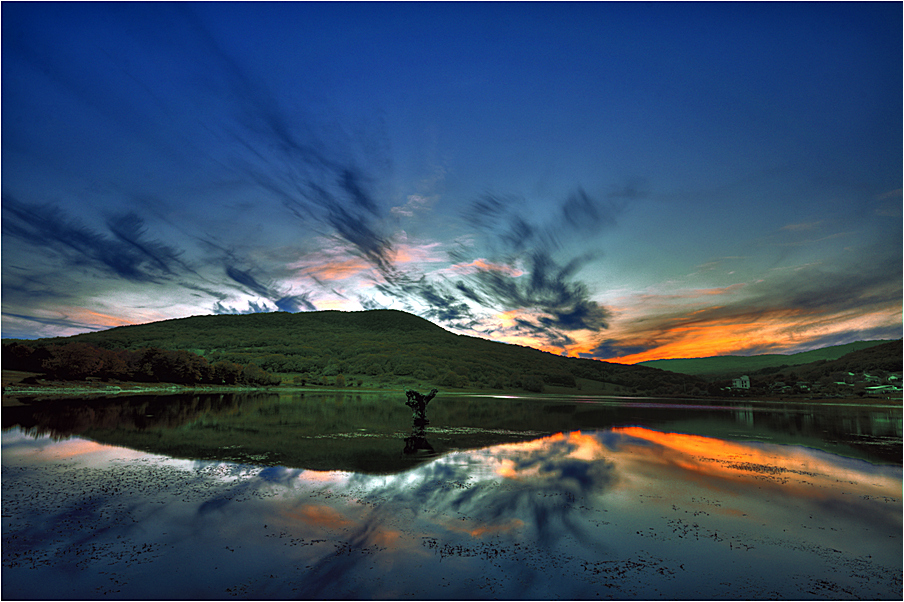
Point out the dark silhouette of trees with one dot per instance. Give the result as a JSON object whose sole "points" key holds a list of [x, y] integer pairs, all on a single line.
{"points": [[226, 373], [79, 361]]}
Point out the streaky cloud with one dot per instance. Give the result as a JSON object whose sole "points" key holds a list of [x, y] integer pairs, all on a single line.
{"points": [[60, 322], [549, 285], [127, 254], [791, 311], [245, 278], [282, 301], [316, 181], [433, 300], [129, 229], [523, 272], [295, 303], [253, 308]]}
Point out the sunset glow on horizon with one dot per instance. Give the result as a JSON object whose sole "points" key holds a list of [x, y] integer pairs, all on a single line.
{"points": [[168, 160]]}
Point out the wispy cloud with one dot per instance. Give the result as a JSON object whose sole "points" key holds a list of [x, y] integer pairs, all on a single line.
{"points": [[416, 203], [334, 190], [482, 265], [124, 251], [525, 269], [793, 310], [317, 181], [337, 269], [282, 300]]}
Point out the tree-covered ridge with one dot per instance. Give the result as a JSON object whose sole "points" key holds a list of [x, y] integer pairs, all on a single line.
{"points": [[378, 347], [878, 360], [858, 373], [80, 361]]}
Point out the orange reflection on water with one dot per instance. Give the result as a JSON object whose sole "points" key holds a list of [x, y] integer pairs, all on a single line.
{"points": [[319, 515], [323, 517], [322, 476], [797, 469], [487, 529], [588, 447], [89, 451], [76, 447], [581, 446], [696, 447]]}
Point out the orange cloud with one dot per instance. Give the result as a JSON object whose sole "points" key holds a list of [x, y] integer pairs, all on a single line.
{"points": [[336, 269], [775, 331], [651, 327], [412, 253], [87, 316], [339, 263], [337, 304], [482, 264], [780, 314]]}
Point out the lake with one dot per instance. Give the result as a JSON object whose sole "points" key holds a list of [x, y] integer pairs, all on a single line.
{"points": [[345, 495]]}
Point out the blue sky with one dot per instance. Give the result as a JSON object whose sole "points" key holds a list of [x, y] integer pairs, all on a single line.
{"points": [[621, 181]]}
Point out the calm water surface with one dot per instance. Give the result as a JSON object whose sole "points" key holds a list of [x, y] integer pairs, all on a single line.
{"points": [[342, 496]]}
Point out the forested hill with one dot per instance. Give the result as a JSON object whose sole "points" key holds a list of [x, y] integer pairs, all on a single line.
{"points": [[380, 348]]}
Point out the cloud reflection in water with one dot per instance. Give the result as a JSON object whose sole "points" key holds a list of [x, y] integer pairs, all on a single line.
{"points": [[628, 513]]}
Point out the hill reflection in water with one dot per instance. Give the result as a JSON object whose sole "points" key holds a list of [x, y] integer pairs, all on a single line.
{"points": [[625, 512], [369, 432]]}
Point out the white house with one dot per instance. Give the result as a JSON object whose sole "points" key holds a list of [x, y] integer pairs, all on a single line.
{"points": [[741, 383]]}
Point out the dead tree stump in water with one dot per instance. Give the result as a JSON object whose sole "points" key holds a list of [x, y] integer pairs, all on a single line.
{"points": [[417, 442], [418, 404]]}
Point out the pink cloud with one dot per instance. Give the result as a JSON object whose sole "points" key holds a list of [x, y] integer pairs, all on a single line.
{"points": [[336, 269], [482, 264]]}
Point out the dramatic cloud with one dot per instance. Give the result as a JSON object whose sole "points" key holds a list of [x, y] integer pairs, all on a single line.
{"points": [[789, 311], [125, 251], [163, 160], [316, 181], [525, 272], [283, 302]]}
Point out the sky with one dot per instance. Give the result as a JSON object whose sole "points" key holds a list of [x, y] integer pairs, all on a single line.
{"points": [[617, 181]]}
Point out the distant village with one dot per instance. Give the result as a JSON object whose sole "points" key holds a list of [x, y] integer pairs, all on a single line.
{"points": [[878, 383]]}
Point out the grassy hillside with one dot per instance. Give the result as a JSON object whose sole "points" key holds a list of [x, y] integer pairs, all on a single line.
{"points": [[735, 365], [875, 359], [845, 377], [381, 348]]}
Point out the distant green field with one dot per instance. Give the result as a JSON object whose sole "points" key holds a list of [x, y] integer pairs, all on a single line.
{"points": [[735, 365]]}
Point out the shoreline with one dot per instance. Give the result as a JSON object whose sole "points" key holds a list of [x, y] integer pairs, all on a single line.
{"points": [[57, 390]]}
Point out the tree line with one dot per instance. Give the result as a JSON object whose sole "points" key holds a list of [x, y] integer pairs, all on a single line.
{"points": [[79, 361], [379, 347]]}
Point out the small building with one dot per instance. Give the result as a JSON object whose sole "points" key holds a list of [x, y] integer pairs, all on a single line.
{"points": [[741, 383], [883, 389]]}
